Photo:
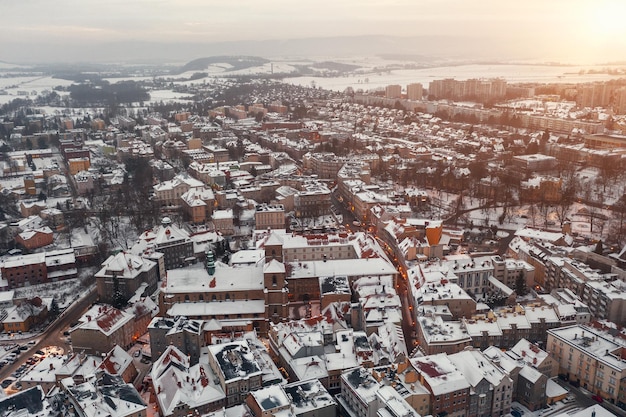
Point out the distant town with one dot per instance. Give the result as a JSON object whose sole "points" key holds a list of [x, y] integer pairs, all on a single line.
{"points": [[225, 241]]}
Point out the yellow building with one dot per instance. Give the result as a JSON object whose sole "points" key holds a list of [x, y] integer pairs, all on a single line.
{"points": [[78, 164], [592, 358]]}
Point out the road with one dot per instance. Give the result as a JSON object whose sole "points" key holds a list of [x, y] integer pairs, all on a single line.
{"points": [[584, 399], [53, 335]]}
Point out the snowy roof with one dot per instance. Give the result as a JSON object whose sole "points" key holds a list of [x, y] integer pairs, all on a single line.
{"points": [[440, 374], [270, 398], [362, 383], [309, 367], [196, 279], [308, 395], [112, 397], [124, 265], [393, 402], [235, 360], [507, 318], [477, 327], [438, 331], [211, 309], [498, 357], [388, 343], [46, 370], [595, 410], [530, 374], [274, 267], [222, 214], [30, 233], [30, 402], [116, 361], [176, 383], [23, 260], [536, 234], [103, 318], [177, 181], [250, 256], [554, 390], [475, 366], [198, 196], [593, 342], [347, 267]]}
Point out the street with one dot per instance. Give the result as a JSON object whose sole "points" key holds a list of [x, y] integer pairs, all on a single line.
{"points": [[53, 336]]}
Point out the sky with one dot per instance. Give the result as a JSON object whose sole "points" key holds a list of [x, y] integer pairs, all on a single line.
{"points": [[571, 30]]}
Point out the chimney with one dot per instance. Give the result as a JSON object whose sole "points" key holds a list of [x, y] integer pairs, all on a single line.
{"points": [[88, 318]]}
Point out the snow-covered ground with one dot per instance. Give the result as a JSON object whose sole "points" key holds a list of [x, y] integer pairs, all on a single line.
{"points": [[31, 85], [511, 72]]}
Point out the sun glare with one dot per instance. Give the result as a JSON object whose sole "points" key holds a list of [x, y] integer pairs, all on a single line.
{"points": [[607, 19]]}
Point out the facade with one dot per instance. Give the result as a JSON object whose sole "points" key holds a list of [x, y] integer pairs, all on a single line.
{"points": [[198, 204], [268, 216], [197, 293], [103, 327], [414, 91], [168, 193], [449, 390], [592, 358], [35, 238], [358, 393], [237, 370], [472, 89], [223, 221], [170, 240], [39, 268], [393, 91], [606, 300], [180, 389], [124, 273], [21, 317], [436, 336], [184, 334]]}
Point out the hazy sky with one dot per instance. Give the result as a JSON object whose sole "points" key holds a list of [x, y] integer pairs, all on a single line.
{"points": [[579, 29]]}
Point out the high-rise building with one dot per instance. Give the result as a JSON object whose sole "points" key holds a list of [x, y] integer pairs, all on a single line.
{"points": [[393, 91], [414, 91]]}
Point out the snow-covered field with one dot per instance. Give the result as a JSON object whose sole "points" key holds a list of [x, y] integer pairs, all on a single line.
{"points": [[512, 73], [32, 85]]}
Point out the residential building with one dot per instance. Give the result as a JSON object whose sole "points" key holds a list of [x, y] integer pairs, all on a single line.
{"points": [[103, 327], [237, 370], [179, 388], [123, 274], [592, 358], [449, 390], [415, 91], [268, 216]]}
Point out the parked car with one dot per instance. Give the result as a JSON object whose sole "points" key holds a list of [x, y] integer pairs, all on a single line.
{"points": [[597, 398], [7, 382]]}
